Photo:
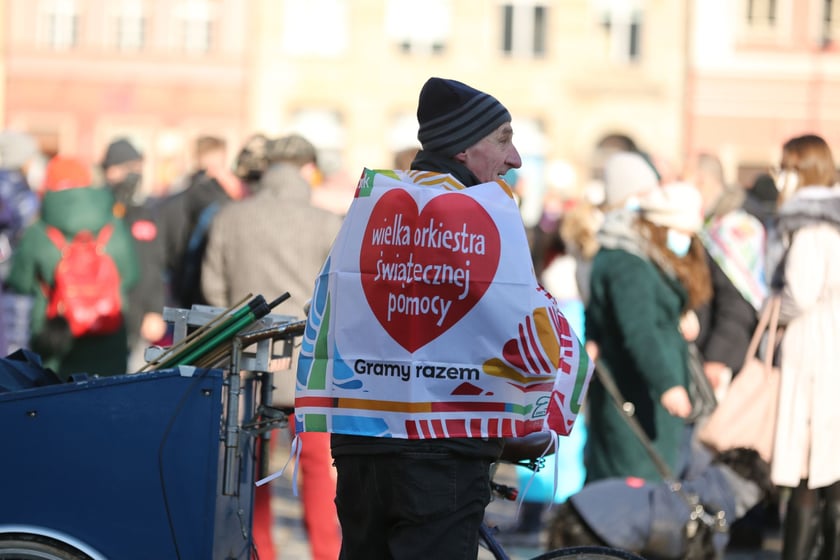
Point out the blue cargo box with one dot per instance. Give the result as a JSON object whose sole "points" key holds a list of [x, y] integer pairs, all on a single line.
{"points": [[126, 467]]}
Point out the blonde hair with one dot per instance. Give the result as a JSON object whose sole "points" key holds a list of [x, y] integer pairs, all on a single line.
{"points": [[578, 230]]}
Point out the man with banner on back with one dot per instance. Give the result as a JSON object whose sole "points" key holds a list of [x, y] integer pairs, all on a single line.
{"points": [[429, 341]]}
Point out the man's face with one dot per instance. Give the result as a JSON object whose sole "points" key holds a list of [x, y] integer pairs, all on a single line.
{"points": [[117, 173], [492, 156]]}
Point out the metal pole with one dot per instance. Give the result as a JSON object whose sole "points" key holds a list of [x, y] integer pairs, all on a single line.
{"points": [[231, 471], [266, 398]]}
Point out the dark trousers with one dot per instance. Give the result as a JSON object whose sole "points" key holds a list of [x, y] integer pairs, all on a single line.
{"points": [[812, 523], [411, 505]]}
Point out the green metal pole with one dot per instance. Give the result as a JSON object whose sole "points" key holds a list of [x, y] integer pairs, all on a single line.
{"points": [[255, 309]]}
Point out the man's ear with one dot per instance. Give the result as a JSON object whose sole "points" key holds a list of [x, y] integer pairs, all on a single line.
{"points": [[460, 157], [312, 175]]}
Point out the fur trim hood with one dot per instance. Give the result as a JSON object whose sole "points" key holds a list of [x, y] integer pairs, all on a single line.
{"points": [[810, 206]]}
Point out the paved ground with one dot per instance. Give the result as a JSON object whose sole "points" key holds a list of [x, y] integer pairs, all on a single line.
{"points": [[291, 543]]}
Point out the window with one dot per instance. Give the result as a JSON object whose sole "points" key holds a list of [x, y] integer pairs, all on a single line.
{"points": [[524, 29], [129, 24], [315, 27], [769, 21], [622, 22], [418, 27], [58, 22], [831, 22], [194, 21], [761, 13]]}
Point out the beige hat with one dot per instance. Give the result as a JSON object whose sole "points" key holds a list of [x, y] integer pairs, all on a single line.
{"points": [[16, 148], [675, 205], [627, 174], [293, 148]]}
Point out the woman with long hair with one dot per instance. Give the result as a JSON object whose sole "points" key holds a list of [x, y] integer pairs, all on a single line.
{"points": [[648, 276], [808, 427]]}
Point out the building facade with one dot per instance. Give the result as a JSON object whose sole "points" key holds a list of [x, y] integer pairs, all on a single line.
{"points": [[762, 71], [80, 72], [736, 77], [570, 71]]}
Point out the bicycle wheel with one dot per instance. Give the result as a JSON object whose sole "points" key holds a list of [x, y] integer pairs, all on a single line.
{"points": [[34, 547], [588, 553]]}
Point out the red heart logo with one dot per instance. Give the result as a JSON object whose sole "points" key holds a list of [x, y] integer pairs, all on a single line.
{"points": [[423, 271]]}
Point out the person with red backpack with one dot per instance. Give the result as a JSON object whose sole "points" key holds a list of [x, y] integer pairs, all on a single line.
{"points": [[78, 261]]}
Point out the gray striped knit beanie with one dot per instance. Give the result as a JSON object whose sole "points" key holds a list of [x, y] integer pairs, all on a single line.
{"points": [[453, 116]]}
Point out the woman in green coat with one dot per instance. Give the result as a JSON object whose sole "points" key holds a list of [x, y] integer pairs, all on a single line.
{"points": [[71, 205], [648, 274]]}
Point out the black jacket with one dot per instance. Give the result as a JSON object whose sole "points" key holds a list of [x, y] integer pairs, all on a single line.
{"points": [[147, 294], [178, 217], [726, 322]]}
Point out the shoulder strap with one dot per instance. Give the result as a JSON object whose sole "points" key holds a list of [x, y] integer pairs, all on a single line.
{"points": [[202, 226], [767, 321], [628, 412], [56, 237], [104, 234]]}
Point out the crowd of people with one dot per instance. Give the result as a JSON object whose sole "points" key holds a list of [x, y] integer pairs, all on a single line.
{"points": [[663, 278], [672, 271], [89, 263]]}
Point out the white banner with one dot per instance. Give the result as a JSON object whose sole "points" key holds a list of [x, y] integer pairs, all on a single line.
{"points": [[427, 320]]}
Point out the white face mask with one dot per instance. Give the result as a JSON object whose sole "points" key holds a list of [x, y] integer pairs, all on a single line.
{"points": [[678, 242], [633, 203], [786, 183]]}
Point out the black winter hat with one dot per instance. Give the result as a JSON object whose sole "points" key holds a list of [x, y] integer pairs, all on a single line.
{"points": [[764, 188], [120, 151], [453, 116]]}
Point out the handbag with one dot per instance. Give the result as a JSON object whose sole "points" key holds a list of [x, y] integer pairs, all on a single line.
{"points": [[700, 390], [746, 417], [704, 520]]}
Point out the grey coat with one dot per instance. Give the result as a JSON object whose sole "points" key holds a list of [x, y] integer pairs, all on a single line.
{"points": [[270, 243]]}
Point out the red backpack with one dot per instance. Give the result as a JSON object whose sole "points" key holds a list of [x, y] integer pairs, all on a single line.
{"points": [[86, 285]]}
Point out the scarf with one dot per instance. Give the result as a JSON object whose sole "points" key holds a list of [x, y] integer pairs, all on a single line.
{"points": [[810, 206], [736, 242], [431, 161], [620, 231]]}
